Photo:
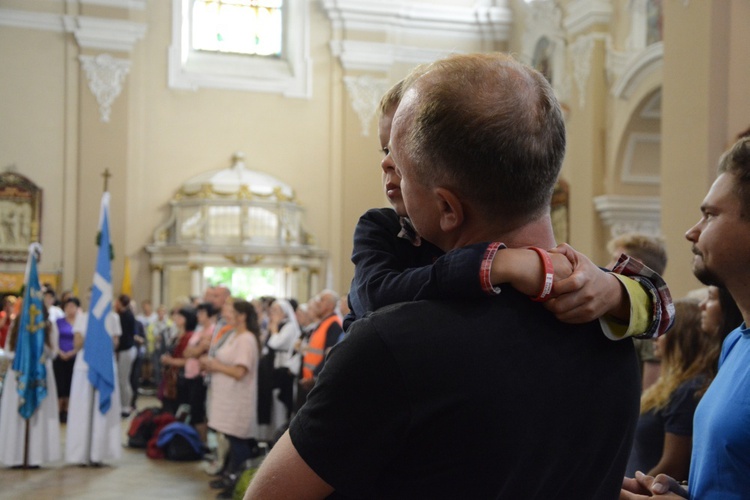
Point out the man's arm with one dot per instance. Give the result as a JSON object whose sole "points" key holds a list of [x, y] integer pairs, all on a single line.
{"points": [[285, 475], [632, 300]]}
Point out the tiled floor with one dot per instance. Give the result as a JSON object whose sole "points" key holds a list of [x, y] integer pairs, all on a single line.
{"points": [[133, 476]]}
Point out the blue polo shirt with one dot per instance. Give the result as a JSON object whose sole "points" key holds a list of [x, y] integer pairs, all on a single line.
{"points": [[720, 465]]}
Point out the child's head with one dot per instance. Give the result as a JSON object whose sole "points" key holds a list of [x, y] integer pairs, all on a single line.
{"points": [[391, 180], [388, 105]]}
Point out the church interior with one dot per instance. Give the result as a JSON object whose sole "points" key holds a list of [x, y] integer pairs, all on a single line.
{"points": [[222, 161]]}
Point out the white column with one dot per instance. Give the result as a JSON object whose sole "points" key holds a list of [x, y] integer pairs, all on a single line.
{"points": [[196, 280], [156, 285], [314, 281], [292, 282]]}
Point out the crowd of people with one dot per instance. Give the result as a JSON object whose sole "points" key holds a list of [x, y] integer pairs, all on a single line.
{"points": [[381, 391], [226, 365]]}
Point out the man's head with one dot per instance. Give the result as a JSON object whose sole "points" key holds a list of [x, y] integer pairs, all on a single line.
{"points": [[648, 249], [220, 295], [122, 303], [147, 308], [486, 128], [161, 311], [721, 237], [49, 297], [325, 304]]}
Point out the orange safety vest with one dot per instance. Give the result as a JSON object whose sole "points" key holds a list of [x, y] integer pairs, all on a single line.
{"points": [[316, 348]]}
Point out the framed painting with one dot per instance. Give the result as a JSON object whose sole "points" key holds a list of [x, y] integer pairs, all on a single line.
{"points": [[20, 216]]}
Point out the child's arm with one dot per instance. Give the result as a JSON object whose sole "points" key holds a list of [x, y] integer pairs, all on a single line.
{"points": [[389, 269]]}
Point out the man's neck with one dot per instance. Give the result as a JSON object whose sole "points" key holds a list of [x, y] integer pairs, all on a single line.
{"points": [[536, 233]]}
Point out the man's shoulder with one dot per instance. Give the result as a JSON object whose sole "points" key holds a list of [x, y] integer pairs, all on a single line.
{"points": [[416, 316]]}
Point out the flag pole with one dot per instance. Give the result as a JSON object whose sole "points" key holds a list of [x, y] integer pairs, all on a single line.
{"points": [[26, 444]]}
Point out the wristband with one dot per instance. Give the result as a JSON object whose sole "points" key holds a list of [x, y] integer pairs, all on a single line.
{"points": [[485, 270], [549, 275]]}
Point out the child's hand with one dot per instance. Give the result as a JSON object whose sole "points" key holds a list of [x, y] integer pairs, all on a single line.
{"points": [[587, 294]]}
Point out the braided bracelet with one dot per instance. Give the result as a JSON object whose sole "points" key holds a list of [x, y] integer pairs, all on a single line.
{"points": [[549, 275]]}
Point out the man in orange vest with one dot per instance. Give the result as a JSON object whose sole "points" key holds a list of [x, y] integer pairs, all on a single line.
{"points": [[324, 337]]}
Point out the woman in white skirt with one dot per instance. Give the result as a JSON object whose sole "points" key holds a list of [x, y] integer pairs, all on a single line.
{"points": [[44, 426], [92, 438]]}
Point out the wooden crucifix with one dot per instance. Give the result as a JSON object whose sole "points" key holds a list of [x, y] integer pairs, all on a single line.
{"points": [[106, 176]]}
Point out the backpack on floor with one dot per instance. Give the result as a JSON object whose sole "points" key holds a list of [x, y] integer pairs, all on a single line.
{"points": [[181, 442], [160, 422], [143, 426]]}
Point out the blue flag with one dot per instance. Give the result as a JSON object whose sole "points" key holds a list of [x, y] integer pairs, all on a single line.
{"points": [[97, 346], [29, 360]]}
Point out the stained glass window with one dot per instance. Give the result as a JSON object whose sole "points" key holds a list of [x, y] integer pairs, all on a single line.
{"points": [[252, 27]]}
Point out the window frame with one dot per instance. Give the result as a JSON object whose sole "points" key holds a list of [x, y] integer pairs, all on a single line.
{"points": [[289, 75]]}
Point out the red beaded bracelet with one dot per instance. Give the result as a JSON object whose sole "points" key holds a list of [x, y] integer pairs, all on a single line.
{"points": [[549, 275]]}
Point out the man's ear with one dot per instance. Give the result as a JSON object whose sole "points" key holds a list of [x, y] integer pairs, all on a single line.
{"points": [[451, 209]]}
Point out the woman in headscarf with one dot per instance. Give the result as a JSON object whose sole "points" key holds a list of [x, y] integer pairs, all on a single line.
{"points": [[283, 332]]}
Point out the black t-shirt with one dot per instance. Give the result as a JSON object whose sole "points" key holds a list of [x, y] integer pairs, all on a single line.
{"points": [[479, 399], [128, 323], [675, 418]]}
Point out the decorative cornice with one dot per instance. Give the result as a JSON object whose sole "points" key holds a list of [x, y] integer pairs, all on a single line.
{"points": [[33, 20], [365, 92], [90, 32], [106, 34], [623, 214], [584, 14], [105, 75], [420, 18]]}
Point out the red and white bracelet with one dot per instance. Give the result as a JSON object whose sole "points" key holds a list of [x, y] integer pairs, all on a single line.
{"points": [[549, 275]]}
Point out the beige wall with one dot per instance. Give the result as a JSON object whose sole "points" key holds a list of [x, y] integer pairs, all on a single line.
{"points": [[32, 124]]}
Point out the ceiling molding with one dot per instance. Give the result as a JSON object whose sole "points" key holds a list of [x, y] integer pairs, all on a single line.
{"points": [[90, 32]]}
